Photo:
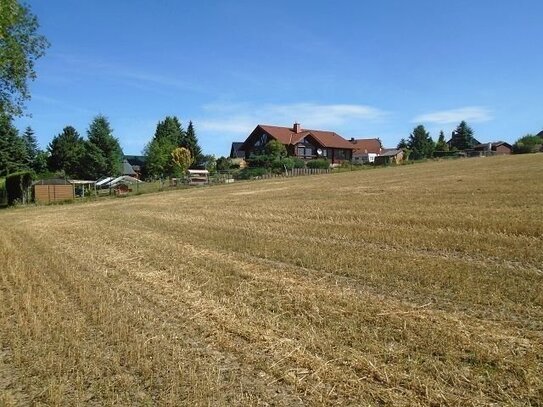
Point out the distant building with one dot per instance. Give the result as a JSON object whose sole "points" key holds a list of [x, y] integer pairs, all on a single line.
{"points": [[494, 148], [137, 162], [389, 156], [235, 151], [366, 149], [302, 143]]}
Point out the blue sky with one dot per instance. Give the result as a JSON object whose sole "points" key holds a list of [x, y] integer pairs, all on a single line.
{"points": [[360, 68]]}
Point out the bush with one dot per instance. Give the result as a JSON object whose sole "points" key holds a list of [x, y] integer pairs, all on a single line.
{"points": [[248, 173], [293, 162], [528, 144], [17, 186], [3, 194], [321, 163]]}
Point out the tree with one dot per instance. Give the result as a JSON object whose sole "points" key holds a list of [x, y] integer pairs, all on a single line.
{"points": [[92, 164], [420, 143], [168, 136], [209, 162], [190, 142], [528, 144], [275, 149], [441, 144], [20, 47], [182, 159], [66, 151], [223, 164], [31, 145], [402, 144], [13, 155], [462, 137], [100, 135], [40, 162]]}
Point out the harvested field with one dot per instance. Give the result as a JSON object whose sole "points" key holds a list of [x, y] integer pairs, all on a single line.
{"points": [[413, 285]]}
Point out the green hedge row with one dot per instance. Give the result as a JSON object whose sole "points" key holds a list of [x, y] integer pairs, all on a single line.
{"points": [[17, 187]]}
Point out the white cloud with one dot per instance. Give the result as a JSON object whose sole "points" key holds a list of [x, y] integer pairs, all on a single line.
{"points": [[242, 118], [470, 114]]}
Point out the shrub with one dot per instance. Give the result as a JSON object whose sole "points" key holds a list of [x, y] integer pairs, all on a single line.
{"points": [[322, 163], [248, 173], [293, 162], [17, 186], [3, 194], [528, 144]]}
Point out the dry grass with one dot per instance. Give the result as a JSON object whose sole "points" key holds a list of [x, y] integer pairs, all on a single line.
{"points": [[416, 285]]}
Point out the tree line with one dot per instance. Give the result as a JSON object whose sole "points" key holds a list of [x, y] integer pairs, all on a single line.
{"points": [[420, 145], [169, 153]]}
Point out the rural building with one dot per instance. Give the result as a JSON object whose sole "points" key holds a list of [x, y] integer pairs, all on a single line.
{"points": [[137, 162], [53, 190], [389, 156], [235, 151], [127, 169], [302, 143], [366, 149], [494, 148]]}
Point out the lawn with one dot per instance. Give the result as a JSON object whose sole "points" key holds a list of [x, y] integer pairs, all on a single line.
{"points": [[405, 286]]}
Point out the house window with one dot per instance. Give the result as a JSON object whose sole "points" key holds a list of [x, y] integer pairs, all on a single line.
{"points": [[304, 152], [341, 154]]}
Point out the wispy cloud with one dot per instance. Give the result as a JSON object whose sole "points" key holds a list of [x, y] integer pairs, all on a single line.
{"points": [[469, 113], [95, 67], [241, 118], [61, 104]]}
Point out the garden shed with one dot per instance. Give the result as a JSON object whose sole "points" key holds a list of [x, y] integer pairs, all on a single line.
{"points": [[53, 190]]}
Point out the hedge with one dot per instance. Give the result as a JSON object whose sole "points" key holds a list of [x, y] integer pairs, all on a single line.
{"points": [[17, 186]]}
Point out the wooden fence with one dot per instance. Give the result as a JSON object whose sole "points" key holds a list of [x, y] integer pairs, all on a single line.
{"points": [[296, 172], [53, 193]]}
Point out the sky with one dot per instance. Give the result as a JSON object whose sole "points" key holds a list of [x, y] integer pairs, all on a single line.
{"points": [[366, 68]]}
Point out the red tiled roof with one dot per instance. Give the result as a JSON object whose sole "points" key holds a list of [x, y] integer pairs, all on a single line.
{"points": [[367, 145], [288, 136]]}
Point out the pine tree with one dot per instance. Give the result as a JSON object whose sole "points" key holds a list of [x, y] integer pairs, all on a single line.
{"points": [[66, 151], [190, 142], [100, 134], [420, 143], [462, 137], [441, 144], [31, 145], [92, 162], [13, 154]]}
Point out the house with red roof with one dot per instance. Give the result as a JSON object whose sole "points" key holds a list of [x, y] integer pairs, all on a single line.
{"points": [[366, 149], [303, 143]]}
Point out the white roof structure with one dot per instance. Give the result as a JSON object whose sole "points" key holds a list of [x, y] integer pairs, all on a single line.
{"points": [[123, 179], [198, 172], [111, 182], [81, 182], [103, 181]]}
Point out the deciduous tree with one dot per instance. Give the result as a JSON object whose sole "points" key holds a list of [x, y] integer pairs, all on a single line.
{"points": [[20, 47], [168, 136], [13, 154], [181, 159], [528, 144]]}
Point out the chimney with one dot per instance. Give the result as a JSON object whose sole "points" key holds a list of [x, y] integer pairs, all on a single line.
{"points": [[297, 128], [352, 140]]}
